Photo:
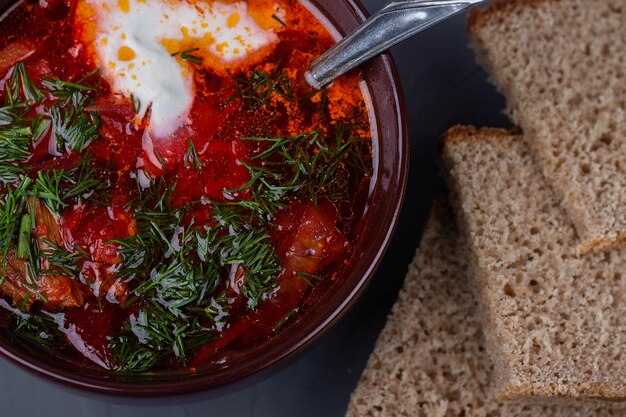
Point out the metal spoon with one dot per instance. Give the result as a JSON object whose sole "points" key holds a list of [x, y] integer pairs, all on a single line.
{"points": [[397, 21]]}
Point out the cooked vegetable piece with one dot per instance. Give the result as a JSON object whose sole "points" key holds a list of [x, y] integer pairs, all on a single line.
{"points": [[316, 243], [55, 291], [13, 53]]}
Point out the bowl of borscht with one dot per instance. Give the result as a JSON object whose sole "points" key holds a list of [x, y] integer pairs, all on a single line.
{"points": [[179, 209]]}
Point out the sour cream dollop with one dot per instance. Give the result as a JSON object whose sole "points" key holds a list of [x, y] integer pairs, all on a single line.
{"points": [[144, 49]]}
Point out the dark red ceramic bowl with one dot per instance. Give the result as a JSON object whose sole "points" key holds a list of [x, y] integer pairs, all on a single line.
{"points": [[391, 156]]}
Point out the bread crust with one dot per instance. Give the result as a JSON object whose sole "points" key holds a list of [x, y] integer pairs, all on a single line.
{"points": [[462, 133], [599, 245], [543, 393], [478, 16]]}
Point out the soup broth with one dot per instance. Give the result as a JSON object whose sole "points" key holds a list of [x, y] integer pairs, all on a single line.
{"points": [[172, 190]]}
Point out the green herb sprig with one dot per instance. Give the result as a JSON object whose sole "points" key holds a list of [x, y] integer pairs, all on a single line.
{"points": [[73, 126], [256, 87], [64, 114], [191, 158], [13, 205], [41, 329], [63, 261], [278, 19], [155, 334], [21, 90], [286, 318], [309, 164], [181, 267], [56, 187], [65, 111], [188, 55]]}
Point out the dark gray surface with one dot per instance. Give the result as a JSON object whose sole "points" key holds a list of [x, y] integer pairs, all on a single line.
{"points": [[443, 86]]}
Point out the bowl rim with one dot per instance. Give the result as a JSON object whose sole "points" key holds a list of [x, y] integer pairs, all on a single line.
{"points": [[120, 388]]}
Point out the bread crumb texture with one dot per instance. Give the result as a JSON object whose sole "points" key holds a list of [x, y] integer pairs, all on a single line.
{"points": [[555, 321], [430, 359], [562, 66]]}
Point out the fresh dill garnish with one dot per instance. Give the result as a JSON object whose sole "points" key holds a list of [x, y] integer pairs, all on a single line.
{"points": [[73, 127], [182, 263], [60, 108], [252, 249], [28, 248], [23, 239], [309, 164], [154, 335], [64, 104], [40, 329], [135, 103], [83, 183], [65, 89], [16, 135], [308, 278], [181, 278], [39, 127], [161, 160], [132, 356], [180, 266], [16, 132], [174, 267], [191, 158], [15, 143], [13, 204], [256, 87], [188, 55], [286, 318], [278, 19], [11, 173], [48, 188], [55, 187], [62, 261], [21, 85]]}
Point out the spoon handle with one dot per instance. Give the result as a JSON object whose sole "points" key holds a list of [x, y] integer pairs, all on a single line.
{"points": [[397, 21]]}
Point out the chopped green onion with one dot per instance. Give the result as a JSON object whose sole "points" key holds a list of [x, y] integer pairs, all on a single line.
{"points": [[23, 242]]}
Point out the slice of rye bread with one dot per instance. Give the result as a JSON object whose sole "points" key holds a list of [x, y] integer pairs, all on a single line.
{"points": [[430, 360], [555, 321], [562, 67]]}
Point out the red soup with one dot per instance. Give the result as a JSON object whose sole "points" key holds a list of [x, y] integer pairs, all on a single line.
{"points": [[173, 192]]}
